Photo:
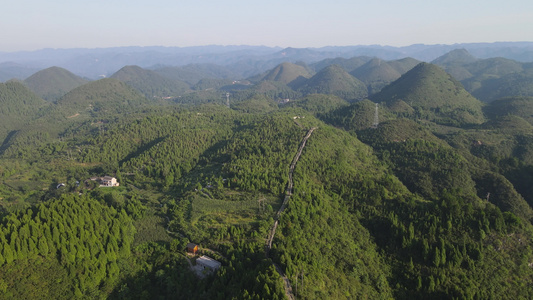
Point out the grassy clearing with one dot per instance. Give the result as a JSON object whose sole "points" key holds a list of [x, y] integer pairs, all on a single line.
{"points": [[151, 228], [243, 208]]}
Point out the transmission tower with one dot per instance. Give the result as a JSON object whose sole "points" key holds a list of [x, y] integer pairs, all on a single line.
{"points": [[376, 118], [227, 99]]}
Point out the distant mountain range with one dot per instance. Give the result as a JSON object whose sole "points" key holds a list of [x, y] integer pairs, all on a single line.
{"points": [[491, 78], [457, 74], [244, 61]]}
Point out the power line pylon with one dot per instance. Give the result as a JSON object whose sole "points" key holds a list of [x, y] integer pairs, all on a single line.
{"points": [[376, 118]]}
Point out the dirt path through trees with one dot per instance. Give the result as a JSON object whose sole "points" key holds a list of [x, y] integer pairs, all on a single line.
{"points": [[290, 185]]}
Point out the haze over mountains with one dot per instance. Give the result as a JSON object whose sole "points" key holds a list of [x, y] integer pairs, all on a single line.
{"points": [[242, 60], [349, 78]]}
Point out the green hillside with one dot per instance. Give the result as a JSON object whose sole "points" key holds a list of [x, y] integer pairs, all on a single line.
{"points": [[286, 72], [100, 97], [510, 85], [334, 80], [376, 74], [273, 89], [510, 124], [404, 226], [456, 63], [210, 84], [455, 57], [398, 130], [256, 104], [318, 104], [357, 116], [403, 65], [348, 64], [54, 82], [434, 95], [407, 210], [18, 107], [488, 79], [296, 193], [494, 67], [150, 83], [517, 106], [81, 110], [429, 166]]}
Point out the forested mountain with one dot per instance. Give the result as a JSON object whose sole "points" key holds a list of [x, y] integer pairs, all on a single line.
{"points": [[103, 93], [489, 79], [514, 84], [52, 83], [357, 116], [301, 188], [215, 84], [348, 64], [403, 65], [18, 106], [455, 57], [428, 92], [376, 73], [334, 80], [285, 73], [517, 106], [150, 83], [318, 104]]}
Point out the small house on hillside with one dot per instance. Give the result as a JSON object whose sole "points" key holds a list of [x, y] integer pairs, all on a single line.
{"points": [[208, 263], [192, 248], [108, 181]]}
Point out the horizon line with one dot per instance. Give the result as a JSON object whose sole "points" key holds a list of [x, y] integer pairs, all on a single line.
{"points": [[258, 46]]}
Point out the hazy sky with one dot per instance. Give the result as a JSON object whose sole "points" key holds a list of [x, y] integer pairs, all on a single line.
{"points": [[36, 24]]}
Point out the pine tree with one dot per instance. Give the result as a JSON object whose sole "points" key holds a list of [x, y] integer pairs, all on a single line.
{"points": [[8, 254], [43, 247], [431, 286], [436, 257]]}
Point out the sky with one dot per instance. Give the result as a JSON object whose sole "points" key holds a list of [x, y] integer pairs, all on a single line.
{"points": [[36, 24]]}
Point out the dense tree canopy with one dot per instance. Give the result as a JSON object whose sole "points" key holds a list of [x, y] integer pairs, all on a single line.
{"points": [[432, 203]]}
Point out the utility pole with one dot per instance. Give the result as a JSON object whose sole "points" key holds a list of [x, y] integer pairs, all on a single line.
{"points": [[261, 203], [302, 279], [296, 293], [376, 118]]}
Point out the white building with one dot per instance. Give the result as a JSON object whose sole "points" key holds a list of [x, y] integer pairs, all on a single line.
{"points": [[109, 181], [208, 263]]}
